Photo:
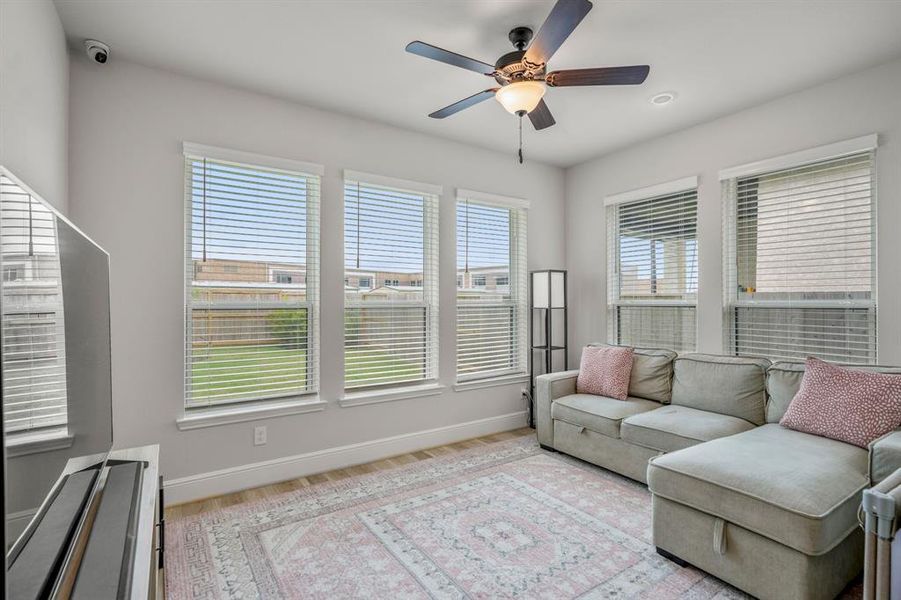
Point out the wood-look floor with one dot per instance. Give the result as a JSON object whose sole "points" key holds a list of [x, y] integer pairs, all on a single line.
{"points": [[207, 504]]}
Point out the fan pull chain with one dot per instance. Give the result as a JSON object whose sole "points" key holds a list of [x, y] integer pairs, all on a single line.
{"points": [[520, 137]]}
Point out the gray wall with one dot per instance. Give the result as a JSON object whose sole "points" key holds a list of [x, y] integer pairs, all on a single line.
{"points": [[859, 104], [34, 97], [127, 193]]}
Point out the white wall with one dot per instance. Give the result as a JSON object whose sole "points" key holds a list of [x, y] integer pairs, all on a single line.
{"points": [[127, 178], [34, 97], [863, 103]]}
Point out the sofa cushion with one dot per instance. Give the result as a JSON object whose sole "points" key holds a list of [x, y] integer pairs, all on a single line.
{"points": [[798, 489], [599, 413], [783, 380], [652, 373], [728, 385], [671, 428]]}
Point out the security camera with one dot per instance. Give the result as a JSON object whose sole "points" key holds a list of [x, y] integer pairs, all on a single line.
{"points": [[97, 51]]}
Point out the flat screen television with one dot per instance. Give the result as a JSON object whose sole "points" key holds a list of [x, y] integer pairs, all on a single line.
{"points": [[55, 340]]}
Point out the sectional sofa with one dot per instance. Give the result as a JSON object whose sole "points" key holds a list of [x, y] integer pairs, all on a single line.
{"points": [[770, 510]]}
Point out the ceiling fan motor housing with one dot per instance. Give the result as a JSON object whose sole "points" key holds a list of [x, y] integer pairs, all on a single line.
{"points": [[510, 66]]}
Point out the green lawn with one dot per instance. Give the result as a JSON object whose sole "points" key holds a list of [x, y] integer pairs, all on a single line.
{"points": [[234, 374], [223, 372], [363, 363]]}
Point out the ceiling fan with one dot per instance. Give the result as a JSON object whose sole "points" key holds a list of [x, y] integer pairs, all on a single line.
{"points": [[522, 74]]}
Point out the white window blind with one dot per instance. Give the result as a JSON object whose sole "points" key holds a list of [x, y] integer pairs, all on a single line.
{"points": [[252, 282], [652, 251], [492, 323], [800, 275], [391, 290], [34, 348]]}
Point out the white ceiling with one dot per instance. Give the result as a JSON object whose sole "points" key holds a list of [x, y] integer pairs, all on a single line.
{"points": [[349, 56]]}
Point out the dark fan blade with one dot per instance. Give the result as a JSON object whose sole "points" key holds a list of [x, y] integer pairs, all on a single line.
{"points": [[464, 103], [451, 58], [541, 117], [564, 18], [601, 76]]}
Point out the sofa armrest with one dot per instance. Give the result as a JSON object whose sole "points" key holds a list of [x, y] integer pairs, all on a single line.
{"points": [[885, 456], [548, 388]]}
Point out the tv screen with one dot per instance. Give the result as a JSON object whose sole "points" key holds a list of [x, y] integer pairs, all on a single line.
{"points": [[56, 387]]}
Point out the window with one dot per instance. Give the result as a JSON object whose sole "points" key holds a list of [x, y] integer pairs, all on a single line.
{"points": [[34, 348], [249, 335], [365, 283], [652, 251], [391, 332], [800, 273], [502, 281], [491, 322]]}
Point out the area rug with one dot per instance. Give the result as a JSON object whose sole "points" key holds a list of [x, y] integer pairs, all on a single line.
{"points": [[503, 520]]}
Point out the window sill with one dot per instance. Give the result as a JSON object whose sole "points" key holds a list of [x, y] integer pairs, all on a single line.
{"points": [[378, 396], [37, 442], [476, 384], [227, 415]]}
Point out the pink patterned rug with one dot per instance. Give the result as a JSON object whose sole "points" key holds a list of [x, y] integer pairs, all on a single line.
{"points": [[501, 521]]}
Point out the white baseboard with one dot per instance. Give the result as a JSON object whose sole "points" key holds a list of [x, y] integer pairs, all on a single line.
{"points": [[233, 479]]}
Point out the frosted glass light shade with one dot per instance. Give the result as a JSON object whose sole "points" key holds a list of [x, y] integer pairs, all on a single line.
{"points": [[521, 96]]}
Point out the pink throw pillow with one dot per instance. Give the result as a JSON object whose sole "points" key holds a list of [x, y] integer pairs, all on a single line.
{"points": [[605, 371], [845, 404]]}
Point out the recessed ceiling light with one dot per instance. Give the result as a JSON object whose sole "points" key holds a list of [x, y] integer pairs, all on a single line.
{"points": [[663, 98]]}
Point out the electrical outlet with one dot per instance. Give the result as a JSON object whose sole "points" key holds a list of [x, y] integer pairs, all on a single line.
{"points": [[259, 435]]}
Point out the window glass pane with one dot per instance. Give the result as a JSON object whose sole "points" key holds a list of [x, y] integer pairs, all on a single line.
{"points": [[653, 271], [643, 326], [34, 349], [491, 284], [800, 262], [806, 233], [391, 295], [252, 274]]}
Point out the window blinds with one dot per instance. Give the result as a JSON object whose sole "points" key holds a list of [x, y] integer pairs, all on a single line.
{"points": [[491, 290], [34, 349], [252, 279], [800, 275], [391, 285], [653, 271]]}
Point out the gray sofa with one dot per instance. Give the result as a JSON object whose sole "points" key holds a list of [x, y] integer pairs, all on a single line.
{"points": [[767, 509]]}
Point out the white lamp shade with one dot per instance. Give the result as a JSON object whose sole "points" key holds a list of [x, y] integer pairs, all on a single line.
{"points": [[548, 289], [558, 292], [521, 96], [540, 287]]}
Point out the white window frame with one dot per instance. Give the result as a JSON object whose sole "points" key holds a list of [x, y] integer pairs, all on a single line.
{"points": [[614, 301], [518, 283], [264, 405], [356, 395], [728, 180]]}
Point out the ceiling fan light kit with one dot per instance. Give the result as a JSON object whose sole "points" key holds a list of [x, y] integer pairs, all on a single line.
{"points": [[521, 97], [522, 74]]}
